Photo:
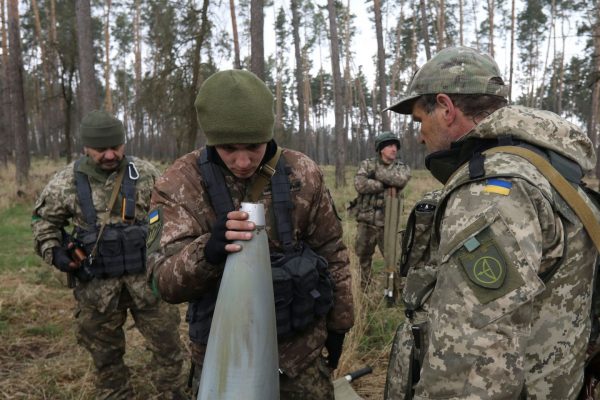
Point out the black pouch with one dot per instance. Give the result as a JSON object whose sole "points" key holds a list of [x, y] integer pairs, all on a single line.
{"points": [[311, 287], [199, 317], [134, 248], [110, 251], [283, 288]]}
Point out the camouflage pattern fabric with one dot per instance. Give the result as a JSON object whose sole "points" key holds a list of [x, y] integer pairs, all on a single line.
{"points": [[103, 303], [181, 274], [496, 330], [372, 178]]}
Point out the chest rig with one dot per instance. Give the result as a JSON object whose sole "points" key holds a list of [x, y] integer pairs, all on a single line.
{"points": [[121, 248]]}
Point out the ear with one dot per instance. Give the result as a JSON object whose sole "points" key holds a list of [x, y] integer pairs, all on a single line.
{"points": [[447, 107]]}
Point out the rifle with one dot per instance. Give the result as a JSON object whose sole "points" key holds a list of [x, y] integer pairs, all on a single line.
{"points": [[82, 271]]}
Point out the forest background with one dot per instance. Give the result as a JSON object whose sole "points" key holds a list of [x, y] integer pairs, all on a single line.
{"points": [[332, 66]]}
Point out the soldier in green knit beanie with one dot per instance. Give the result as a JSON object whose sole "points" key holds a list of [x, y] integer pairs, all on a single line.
{"points": [[197, 202]]}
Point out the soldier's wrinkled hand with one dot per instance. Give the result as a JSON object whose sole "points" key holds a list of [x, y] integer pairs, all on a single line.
{"points": [[62, 260], [334, 344]]}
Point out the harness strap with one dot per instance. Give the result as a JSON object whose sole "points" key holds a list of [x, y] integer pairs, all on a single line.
{"points": [[562, 186], [84, 194], [215, 185]]}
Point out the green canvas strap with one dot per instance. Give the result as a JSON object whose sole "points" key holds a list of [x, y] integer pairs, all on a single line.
{"points": [[264, 174], [562, 186]]}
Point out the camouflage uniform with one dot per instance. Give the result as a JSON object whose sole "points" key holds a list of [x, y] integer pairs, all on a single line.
{"points": [[102, 304], [182, 274], [371, 180], [524, 337], [502, 292]]}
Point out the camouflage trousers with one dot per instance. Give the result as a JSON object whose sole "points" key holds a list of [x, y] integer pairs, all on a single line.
{"points": [[367, 237], [103, 336], [314, 382]]}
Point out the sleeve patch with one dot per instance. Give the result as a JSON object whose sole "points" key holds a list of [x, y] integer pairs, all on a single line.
{"points": [[498, 186], [154, 230]]}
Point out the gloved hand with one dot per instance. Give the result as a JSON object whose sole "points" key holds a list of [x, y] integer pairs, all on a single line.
{"points": [[62, 260], [214, 251], [334, 344]]}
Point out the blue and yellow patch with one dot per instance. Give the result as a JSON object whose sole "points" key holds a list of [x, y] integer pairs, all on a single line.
{"points": [[498, 186], [153, 217]]}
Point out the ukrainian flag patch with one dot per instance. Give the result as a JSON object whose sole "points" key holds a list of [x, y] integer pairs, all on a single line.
{"points": [[498, 186], [153, 217]]}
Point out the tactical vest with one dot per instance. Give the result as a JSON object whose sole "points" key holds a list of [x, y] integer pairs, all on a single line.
{"points": [[122, 247], [302, 285]]}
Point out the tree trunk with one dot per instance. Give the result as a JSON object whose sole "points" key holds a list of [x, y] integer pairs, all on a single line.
{"points": [[299, 75], [88, 94], [6, 142], [108, 103], [17, 95], [595, 103], [56, 104], [138, 124], [441, 25], [512, 49], [425, 29], [236, 41], [257, 43], [491, 21], [385, 116], [190, 142], [461, 21], [338, 90]]}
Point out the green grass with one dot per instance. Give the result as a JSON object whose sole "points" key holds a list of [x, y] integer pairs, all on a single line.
{"points": [[16, 241]]}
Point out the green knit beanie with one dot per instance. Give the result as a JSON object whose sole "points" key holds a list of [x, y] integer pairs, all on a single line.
{"points": [[99, 130], [235, 106]]}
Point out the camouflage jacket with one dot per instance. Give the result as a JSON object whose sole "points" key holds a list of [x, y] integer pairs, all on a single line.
{"points": [[181, 273], [372, 178], [496, 329], [58, 205]]}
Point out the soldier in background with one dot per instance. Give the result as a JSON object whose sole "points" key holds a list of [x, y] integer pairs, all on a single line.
{"points": [[194, 237], [373, 177], [507, 290], [114, 237]]}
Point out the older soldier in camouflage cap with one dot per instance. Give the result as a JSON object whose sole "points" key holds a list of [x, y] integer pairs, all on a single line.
{"points": [[114, 282], [374, 176], [194, 235], [511, 265]]}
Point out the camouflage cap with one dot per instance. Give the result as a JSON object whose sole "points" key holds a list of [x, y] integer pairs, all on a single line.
{"points": [[454, 70], [385, 138], [235, 106], [99, 130]]}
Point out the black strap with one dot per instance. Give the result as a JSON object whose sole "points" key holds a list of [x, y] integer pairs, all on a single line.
{"points": [[86, 202], [84, 194], [220, 198], [215, 185], [282, 205]]}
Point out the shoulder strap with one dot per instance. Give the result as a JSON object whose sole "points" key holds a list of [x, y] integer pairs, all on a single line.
{"points": [[282, 203], [84, 194], [215, 185], [128, 190], [264, 175], [562, 186]]}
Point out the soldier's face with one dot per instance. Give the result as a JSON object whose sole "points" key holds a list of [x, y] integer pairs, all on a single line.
{"points": [[242, 159], [388, 153], [107, 158], [433, 132]]}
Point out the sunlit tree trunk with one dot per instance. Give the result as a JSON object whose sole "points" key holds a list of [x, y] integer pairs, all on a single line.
{"points": [[441, 25], [257, 53], [88, 95], [6, 139], [338, 90], [17, 96], [236, 41], [299, 74], [108, 103], [381, 77], [425, 29]]}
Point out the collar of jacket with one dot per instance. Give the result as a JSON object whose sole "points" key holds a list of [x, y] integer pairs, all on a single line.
{"points": [[93, 170]]}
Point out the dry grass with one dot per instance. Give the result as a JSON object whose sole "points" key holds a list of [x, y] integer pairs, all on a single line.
{"points": [[39, 357]]}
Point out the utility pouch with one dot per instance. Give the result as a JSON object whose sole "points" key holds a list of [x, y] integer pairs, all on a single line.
{"points": [[306, 274], [199, 317], [406, 357]]}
